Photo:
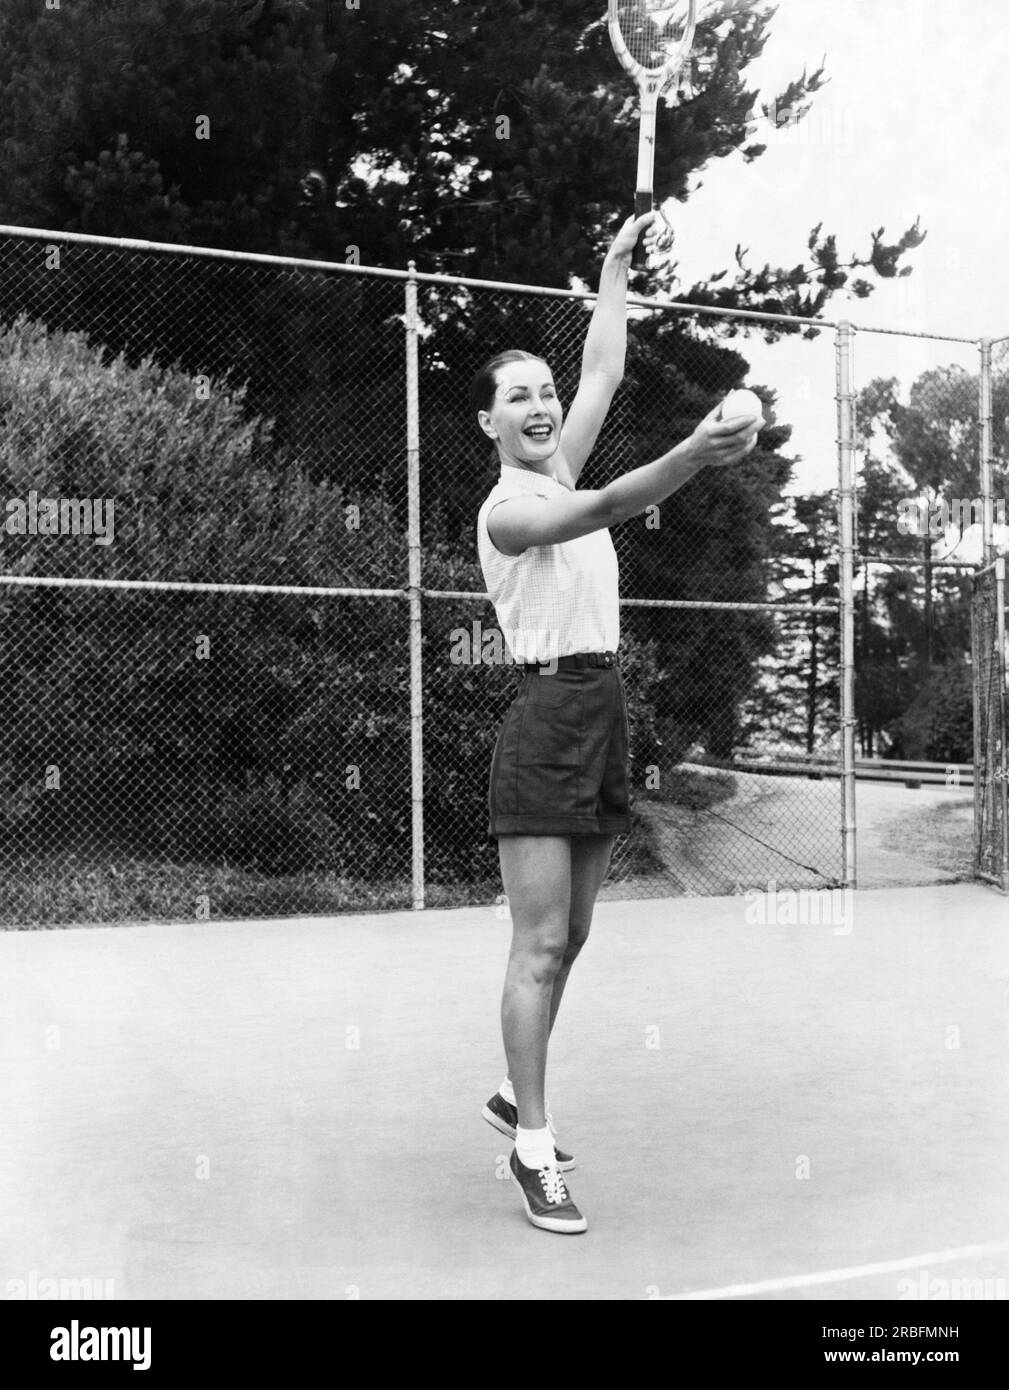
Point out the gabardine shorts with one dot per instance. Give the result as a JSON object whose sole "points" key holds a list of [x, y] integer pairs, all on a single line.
{"points": [[560, 764]]}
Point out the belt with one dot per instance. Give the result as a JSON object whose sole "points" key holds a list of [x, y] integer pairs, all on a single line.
{"points": [[574, 663]]}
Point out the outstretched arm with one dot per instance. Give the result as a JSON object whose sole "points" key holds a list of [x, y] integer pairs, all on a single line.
{"points": [[520, 522], [605, 349]]}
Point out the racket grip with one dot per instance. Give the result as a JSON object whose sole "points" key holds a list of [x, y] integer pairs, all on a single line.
{"points": [[642, 204]]}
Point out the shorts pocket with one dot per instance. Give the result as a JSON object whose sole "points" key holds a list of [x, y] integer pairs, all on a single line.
{"points": [[551, 731]]}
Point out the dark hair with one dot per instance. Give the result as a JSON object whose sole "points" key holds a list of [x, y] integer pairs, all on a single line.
{"points": [[481, 393]]}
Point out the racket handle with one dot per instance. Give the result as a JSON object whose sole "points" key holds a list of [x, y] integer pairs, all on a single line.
{"points": [[642, 204]]}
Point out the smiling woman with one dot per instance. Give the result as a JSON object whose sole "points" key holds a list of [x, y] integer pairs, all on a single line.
{"points": [[559, 788], [512, 378]]}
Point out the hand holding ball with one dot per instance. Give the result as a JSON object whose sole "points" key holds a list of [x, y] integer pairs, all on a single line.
{"points": [[739, 403], [729, 432]]}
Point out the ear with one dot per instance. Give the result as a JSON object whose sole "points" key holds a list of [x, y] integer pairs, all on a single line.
{"points": [[486, 425]]}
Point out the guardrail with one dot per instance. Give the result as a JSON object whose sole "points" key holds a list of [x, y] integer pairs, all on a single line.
{"points": [[956, 776]]}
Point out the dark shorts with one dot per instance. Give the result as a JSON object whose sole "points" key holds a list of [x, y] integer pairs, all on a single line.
{"points": [[560, 764]]}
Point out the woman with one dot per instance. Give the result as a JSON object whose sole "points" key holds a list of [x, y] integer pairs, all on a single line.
{"points": [[559, 781]]}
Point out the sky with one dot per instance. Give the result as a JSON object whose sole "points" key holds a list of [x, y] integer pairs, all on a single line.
{"points": [[913, 121]]}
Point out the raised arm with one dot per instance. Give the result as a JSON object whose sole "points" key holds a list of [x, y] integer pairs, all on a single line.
{"points": [[605, 349]]}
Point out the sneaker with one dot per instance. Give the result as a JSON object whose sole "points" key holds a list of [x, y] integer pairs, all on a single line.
{"points": [[505, 1117], [548, 1202]]}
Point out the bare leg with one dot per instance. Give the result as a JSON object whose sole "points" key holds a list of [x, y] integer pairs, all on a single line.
{"points": [[590, 858], [536, 870]]}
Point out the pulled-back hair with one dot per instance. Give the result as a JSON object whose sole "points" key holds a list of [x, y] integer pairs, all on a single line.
{"points": [[484, 386]]}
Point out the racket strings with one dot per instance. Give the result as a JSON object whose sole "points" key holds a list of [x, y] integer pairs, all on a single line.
{"points": [[654, 31]]}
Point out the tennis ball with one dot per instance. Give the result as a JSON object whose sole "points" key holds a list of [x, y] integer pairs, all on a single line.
{"points": [[739, 403]]}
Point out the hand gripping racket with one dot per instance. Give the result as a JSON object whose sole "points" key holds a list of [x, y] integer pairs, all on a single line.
{"points": [[652, 39]]}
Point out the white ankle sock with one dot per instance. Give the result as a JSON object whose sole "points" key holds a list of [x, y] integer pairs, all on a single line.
{"points": [[535, 1147]]}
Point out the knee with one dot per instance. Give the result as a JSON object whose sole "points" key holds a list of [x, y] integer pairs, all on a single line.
{"points": [[541, 957]]}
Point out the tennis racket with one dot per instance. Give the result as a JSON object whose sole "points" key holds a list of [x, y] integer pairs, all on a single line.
{"points": [[652, 39]]}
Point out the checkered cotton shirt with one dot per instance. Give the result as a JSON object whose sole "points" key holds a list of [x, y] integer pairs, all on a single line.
{"points": [[552, 600]]}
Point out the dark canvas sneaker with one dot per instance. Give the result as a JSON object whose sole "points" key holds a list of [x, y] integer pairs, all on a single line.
{"points": [[548, 1202], [505, 1118]]}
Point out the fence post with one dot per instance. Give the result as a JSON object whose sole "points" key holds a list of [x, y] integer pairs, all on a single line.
{"points": [[846, 582], [985, 445], [980, 758], [1003, 712], [414, 586]]}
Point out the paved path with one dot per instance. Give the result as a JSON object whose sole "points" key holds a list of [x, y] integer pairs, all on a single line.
{"points": [[774, 826]]}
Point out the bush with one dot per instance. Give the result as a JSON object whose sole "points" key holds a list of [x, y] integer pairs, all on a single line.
{"points": [[269, 731]]}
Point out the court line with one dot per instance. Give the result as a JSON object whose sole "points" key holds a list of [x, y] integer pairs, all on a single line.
{"points": [[833, 1276]]}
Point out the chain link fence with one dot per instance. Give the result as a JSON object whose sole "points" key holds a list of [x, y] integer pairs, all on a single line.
{"points": [[917, 503], [178, 754], [249, 666], [709, 607], [921, 528]]}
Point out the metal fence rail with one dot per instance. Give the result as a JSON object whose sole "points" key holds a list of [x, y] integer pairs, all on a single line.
{"points": [[277, 687]]}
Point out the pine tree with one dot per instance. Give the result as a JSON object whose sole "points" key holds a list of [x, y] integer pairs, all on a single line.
{"points": [[496, 140]]}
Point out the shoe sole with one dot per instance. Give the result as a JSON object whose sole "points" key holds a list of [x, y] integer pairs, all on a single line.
{"points": [[503, 1127], [551, 1223]]}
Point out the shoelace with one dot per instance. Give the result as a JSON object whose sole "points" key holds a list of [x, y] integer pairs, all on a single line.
{"points": [[553, 1186]]}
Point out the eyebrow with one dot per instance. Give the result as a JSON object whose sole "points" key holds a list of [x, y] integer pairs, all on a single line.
{"points": [[526, 388]]}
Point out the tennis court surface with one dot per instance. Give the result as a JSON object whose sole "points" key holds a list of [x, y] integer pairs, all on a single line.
{"points": [[291, 1109]]}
